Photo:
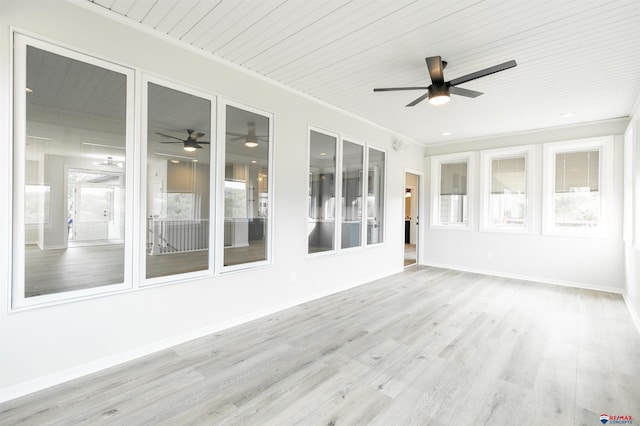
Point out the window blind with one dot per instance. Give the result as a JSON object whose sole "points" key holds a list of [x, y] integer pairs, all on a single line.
{"points": [[577, 170], [508, 175], [453, 178]]}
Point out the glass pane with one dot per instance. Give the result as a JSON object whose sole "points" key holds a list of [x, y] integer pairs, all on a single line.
{"points": [[453, 209], [375, 197], [178, 169], [352, 182], [508, 200], [322, 202], [246, 189], [74, 174], [577, 195]]}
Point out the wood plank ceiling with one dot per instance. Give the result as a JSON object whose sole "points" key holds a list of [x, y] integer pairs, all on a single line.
{"points": [[580, 57]]}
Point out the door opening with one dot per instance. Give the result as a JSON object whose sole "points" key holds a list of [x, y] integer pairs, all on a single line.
{"points": [[411, 218], [95, 207]]}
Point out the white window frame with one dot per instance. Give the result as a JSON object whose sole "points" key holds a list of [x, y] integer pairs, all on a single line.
{"points": [[18, 300], [340, 214], [221, 127], [605, 146], [338, 189], [213, 166], [436, 163], [486, 158], [365, 209]]}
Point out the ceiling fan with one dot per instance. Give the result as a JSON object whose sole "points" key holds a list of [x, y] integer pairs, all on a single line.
{"points": [[250, 138], [439, 91], [191, 143]]}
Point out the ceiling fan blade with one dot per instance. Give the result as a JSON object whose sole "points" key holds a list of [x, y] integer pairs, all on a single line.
{"points": [[420, 99], [172, 142], [487, 71], [241, 135], [199, 135], [436, 69], [169, 136], [391, 89], [204, 142], [464, 92]]}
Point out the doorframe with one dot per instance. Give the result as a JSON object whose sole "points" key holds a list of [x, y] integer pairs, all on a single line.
{"points": [[70, 169], [419, 192]]}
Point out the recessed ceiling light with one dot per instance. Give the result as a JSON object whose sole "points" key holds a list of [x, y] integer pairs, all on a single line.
{"points": [[446, 133], [253, 161], [323, 153], [175, 161], [568, 114]]}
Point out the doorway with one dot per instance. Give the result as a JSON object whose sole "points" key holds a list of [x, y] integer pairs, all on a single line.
{"points": [[411, 218], [95, 207]]}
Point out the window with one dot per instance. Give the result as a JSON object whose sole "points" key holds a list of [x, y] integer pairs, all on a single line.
{"points": [[506, 183], [321, 230], [246, 186], [577, 177], [376, 170], [178, 178], [73, 132], [352, 189], [451, 196], [37, 199], [323, 193]]}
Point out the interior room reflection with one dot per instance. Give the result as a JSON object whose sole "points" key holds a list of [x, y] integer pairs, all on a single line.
{"points": [[246, 186], [74, 174], [178, 176], [322, 196]]}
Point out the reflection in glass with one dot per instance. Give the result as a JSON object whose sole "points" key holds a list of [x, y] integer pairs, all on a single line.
{"points": [[352, 166], [178, 168], [375, 197], [246, 188], [74, 174], [322, 201]]}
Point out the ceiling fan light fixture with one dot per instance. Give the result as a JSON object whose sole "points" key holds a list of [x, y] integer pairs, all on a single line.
{"points": [[251, 144], [438, 95], [189, 148]]}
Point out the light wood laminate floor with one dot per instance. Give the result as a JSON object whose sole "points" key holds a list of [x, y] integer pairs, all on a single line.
{"points": [[426, 346]]}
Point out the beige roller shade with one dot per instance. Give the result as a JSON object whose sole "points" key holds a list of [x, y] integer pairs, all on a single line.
{"points": [[508, 175], [577, 170], [453, 178]]}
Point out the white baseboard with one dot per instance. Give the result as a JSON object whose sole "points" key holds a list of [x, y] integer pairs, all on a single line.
{"points": [[63, 376], [632, 311], [543, 280]]}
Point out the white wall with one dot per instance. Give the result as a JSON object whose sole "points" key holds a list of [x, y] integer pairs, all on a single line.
{"points": [[632, 243], [585, 262], [40, 347]]}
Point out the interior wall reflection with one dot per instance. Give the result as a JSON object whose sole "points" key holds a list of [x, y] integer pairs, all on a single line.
{"points": [[178, 171], [246, 186]]}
